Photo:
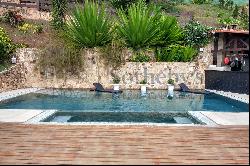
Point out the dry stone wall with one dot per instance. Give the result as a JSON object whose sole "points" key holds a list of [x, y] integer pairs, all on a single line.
{"points": [[13, 78], [155, 73], [16, 76], [25, 12], [26, 74]]}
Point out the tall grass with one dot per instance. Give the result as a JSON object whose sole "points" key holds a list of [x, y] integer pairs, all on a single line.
{"points": [[89, 25]]}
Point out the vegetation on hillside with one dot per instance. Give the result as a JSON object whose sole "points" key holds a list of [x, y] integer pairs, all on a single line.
{"points": [[172, 30]]}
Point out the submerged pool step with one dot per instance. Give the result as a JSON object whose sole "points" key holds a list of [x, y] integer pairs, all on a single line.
{"points": [[182, 120], [61, 119], [121, 117]]}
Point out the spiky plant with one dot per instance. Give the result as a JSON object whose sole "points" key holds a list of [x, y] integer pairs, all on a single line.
{"points": [[170, 31], [89, 25], [139, 27]]}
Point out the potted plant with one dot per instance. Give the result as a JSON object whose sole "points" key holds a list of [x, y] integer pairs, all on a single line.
{"points": [[170, 84], [116, 81], [143, 86]]}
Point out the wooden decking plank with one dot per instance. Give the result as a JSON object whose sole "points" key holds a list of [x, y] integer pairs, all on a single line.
{"points": [[80, 144]]}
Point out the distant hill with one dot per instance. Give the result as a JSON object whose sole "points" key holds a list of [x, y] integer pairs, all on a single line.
{"points": [[240, 2]]}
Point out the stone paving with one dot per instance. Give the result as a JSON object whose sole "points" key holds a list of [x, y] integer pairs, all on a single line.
{"points": [[236, 96], [228, 118], [55, 144], [17, 115]]}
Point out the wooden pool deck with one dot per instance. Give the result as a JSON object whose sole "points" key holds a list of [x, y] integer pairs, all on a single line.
{"points": [[83, 144]]}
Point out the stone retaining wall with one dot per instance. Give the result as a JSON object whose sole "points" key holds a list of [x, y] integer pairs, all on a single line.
{"points": [[156, 73], [25, 12], [25, 73], [13, 78]]}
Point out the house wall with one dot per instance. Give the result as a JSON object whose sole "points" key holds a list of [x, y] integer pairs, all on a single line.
{"points": [[228, 81]]}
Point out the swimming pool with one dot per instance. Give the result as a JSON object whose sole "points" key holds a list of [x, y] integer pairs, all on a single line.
{"points": [[128, 101]]}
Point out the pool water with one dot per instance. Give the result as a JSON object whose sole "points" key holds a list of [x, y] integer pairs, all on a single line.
{"points": [[123, 117], [128, 101]]}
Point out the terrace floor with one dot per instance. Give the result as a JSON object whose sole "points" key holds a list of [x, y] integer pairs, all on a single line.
{"points": [[86, 144]]}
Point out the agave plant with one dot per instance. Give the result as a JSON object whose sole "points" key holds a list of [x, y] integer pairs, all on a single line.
{"points": [[89, 25], [139, 27], [170, 31]]}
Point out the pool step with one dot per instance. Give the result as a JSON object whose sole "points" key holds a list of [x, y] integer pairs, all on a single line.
{"points": [[61, 119], [182, 120]]}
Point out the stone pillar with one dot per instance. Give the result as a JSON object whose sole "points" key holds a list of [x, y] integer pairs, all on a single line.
{"points": [[220, 55]]}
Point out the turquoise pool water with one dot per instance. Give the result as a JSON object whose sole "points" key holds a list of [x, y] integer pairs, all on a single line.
{"points": [[128, 101], [123, 117]]}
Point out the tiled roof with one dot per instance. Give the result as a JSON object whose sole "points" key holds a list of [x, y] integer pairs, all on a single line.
{"points": [[230, 31]]}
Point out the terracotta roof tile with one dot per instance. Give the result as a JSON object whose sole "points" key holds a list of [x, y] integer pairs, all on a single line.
{"points": [[230, 31]]}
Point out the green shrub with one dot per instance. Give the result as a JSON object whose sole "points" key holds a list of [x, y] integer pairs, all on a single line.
{"points": [[176, 53], [59, 8], [229, 4], [32, 28], [143, 82], [12, 18], [3, 67], [122, 4], [221, 3], [171, 81], [169, 6], [38, 29], [244, 18], [196, 34], [140, 57], [6, 47], [25, 27], [202, 1], [236, 11], [169, 30], [228, 21], [89, 26], [139, 28], [188, 54], [226, 4], [220, 14], [116, 80]]}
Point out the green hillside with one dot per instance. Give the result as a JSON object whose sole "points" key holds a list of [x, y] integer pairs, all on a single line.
{"points": [[240, 2]]}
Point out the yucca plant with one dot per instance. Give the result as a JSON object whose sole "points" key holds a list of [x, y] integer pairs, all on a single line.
{"points": [[89, 25], [139, 27], [170, 31]]}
